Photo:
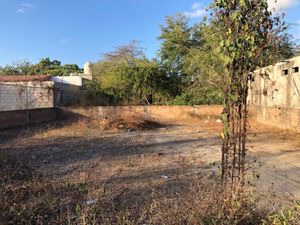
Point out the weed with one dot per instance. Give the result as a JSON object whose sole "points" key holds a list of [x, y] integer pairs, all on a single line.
{"points": [[289, 216]]}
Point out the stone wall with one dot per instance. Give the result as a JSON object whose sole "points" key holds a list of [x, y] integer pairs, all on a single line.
{"points": [[26, 95], [157, 113]]}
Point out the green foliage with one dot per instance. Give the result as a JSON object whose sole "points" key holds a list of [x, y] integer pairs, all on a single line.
{"points": [[204, 66], [191, 58], [113, 78], [44, 67], [286, 217], [248, 30], [128, 76], [250, 37], [191, 67], [17, 68], [177, 39]]}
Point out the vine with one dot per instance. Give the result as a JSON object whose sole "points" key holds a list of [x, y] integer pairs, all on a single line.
{"points": [[248, 32]]}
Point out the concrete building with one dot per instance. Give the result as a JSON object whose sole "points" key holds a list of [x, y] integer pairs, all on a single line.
{"points": [[69, 89], [87, 68], [87, 72], [275, 94]]}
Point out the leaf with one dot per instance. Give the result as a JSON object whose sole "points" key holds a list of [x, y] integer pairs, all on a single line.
{"points": [[227, 43], [223, 135], [233, 97], [222, 43]]}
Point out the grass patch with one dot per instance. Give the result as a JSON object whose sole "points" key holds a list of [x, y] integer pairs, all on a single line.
{"points": [[27, 198]]}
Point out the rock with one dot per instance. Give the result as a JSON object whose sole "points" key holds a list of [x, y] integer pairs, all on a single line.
{"points": [[91, 202]]}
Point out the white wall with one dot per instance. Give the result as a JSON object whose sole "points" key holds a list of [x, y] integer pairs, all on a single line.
{"points": [[272, 88], [72, 80]]}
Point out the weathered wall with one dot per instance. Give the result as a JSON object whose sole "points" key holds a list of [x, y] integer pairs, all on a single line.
{"points": [[158, 113], [274, 96], [10, 119], [26, 95], [67, 94], [277, 86], [285, 118]]}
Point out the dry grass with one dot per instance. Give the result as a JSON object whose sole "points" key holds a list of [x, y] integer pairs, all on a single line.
{"points": [[28, 199], [113, 172]]}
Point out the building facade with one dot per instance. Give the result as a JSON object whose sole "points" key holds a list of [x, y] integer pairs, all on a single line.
{"points": [[274, 94]]}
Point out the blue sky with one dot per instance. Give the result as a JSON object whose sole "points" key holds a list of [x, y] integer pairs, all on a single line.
{"points": [[76, 31]]}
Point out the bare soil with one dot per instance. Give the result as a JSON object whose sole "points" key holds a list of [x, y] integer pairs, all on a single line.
{"points": [[131, 156]]}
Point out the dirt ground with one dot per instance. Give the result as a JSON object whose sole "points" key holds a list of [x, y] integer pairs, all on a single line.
{"points": [[82, 152], [125, 157]]}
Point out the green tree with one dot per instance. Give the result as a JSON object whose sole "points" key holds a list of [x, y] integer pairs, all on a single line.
{"points": [[44, 67], [128, 76], [204, 66], [54, 68], [17, 68], [192, 59], [177, 39]]}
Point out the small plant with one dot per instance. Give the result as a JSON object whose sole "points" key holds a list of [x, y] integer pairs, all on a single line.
{"points": [[286, 217]]}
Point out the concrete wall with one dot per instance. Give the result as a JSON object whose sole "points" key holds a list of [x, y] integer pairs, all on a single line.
{"points": [[274, 96], [277, 86], [157, 113], [26, 95], [10, 119], [72, 80], [67, 94], [285, 118]]}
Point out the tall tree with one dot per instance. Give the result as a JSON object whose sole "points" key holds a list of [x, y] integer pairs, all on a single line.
{"points": [[177, 39], [204, 66], [127, 75]]}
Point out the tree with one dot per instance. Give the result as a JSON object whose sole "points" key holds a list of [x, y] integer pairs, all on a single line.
{"points": [[128, 53], [204, 65], [114, 74], [247, 30], [128, 76], [17, 68], [192, 59], [177, 39], [113, 79], [54, 68], [44, 67]]}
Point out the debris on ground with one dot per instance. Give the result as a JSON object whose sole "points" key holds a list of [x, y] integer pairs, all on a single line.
{"points": [[165, 177], [91, 202], [129, 124]]}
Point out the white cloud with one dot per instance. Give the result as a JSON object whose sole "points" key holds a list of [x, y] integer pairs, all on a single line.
{"points": [[196, 5], [280, 5], [197, 11], [25, 7], [66, 40]]}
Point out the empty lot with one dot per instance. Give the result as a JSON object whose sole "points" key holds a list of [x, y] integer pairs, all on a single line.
{"points": [[136, 160]]}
